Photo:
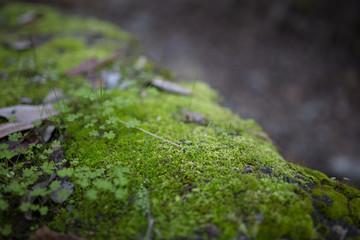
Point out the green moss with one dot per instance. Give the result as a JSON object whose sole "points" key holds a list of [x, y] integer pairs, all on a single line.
{"points": [[185, 189], [337, 208], [355, 210]]}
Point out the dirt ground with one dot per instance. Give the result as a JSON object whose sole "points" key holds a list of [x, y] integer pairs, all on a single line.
{"points": [[293, 66]]}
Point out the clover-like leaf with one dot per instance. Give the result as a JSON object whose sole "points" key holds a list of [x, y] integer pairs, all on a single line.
{"points": [[103, 184], [91, 194], [132, 123], [109, 135], [43, 210], [120, 194], [15, 136]]}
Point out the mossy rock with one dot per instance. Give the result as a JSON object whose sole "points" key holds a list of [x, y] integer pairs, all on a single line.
{"points": [[227, 181]]}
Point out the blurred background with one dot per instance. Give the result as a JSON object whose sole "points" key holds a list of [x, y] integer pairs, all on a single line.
{"points": [[292, 65]]}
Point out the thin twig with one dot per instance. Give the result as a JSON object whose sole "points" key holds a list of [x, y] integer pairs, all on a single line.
{"points": [[149, 228], [203, 135], [152, 134]]}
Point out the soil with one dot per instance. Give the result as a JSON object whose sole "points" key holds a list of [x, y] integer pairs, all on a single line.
{"points": [[293, 67]]}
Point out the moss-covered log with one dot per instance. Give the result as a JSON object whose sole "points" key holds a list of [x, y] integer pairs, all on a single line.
{"points": [[128, 184]]}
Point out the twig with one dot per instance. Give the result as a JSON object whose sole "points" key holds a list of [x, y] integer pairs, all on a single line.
{"points": [[152, 134], [203, 135], [149, 228]]}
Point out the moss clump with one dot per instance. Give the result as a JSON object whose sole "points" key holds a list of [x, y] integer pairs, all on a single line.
{"points": [[355, 210], [129, 184], [337, 208]]}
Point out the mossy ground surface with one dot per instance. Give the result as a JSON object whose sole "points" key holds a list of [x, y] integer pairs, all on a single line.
{"points": [[235, 183]]}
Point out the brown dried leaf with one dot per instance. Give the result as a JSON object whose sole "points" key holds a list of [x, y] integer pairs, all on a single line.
{"points": [[24, 143], [85, 67], [169, 87], [44, 233], [90, 65]]}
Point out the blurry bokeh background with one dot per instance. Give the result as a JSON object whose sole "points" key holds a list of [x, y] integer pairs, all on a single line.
{"points": [[293, 65]]}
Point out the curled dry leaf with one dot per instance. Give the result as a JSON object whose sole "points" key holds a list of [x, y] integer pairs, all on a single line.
{"points": [[28, 113], [44, 233], [47, 133], [9, 128], [169, 87], [25, 116]]}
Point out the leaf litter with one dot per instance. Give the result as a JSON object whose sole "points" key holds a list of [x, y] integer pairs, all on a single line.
{"points": [[44, 233], [170, 87], [91, 65], [24, 116]]}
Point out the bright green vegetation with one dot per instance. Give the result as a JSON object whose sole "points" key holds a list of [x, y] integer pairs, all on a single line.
{"points": [[131, 185]]}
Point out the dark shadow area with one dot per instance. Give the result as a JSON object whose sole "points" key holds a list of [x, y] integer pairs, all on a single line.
{"points": [[293, 66]]}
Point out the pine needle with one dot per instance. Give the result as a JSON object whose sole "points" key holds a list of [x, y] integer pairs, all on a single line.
{"points": [[152, 134], [203, 135]]}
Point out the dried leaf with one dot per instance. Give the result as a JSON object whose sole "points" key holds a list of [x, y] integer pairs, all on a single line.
{"points": [[25, 116], [90, 65], [28, 113], [24, 143], [29, 17], [47, 133], [193, 117], [44, 233], [169, 87], [9, 128], [58, 156], [85, 67], [63, 192]]}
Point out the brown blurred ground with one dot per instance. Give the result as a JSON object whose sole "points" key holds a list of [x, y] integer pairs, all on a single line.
{"points": [[293, 66]]}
